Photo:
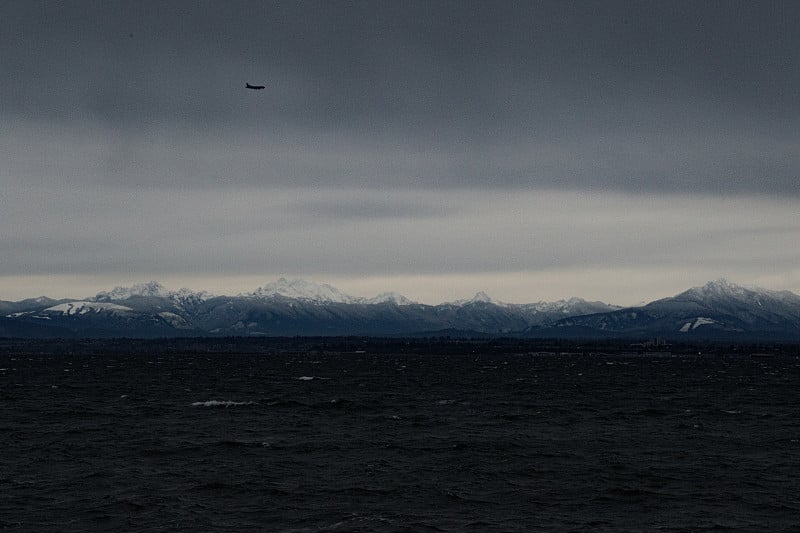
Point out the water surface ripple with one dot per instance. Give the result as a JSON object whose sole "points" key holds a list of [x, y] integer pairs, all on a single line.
{"points": [[357, 442]]}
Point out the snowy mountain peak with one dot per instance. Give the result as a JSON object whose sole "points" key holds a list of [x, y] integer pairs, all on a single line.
{"points": [[480, 297], [721, 287], [303, 290], [389, 297], [187, 298], [724, 289], [721, 298], [152, 288], [185, 294], [39, 300]]}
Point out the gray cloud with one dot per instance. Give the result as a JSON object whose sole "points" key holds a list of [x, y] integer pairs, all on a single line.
{"points": [[360, 208], [413, 141], [699, 162], [629, 96], [249, 232]]}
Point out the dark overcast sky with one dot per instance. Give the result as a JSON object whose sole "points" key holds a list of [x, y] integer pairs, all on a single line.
{"points": [[107, 103]]}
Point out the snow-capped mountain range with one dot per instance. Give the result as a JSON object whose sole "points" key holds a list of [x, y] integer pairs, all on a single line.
{"points": [[719, 309], [309, 291], [152, 289]]}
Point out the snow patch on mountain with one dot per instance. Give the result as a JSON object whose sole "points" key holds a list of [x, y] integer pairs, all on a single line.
{"points": [[699, 321], [174, 320], [389, 297], [571, 306], [702, 321], [86, 307]]}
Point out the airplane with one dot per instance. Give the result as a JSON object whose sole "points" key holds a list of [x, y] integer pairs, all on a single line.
{"points": [[255, 87]]}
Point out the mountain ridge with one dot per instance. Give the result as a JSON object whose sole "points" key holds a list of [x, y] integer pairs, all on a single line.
{"points": [[718, 309]]}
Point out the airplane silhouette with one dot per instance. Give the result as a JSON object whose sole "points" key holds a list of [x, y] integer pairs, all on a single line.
{"points": [[255, 87]]}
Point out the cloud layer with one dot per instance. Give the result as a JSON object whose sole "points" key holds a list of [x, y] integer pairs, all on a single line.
{"points": [[627, 96], [345, 234], [405, 142]]}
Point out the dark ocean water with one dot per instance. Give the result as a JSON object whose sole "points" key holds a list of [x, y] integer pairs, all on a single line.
{"points": [[399, 443]]}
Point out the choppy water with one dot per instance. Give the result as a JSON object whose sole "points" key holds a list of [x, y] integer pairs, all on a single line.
{"points": [[398, 443]]}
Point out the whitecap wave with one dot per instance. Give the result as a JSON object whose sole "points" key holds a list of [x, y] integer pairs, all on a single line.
{"points": [[220, 403], [309, 378]]}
